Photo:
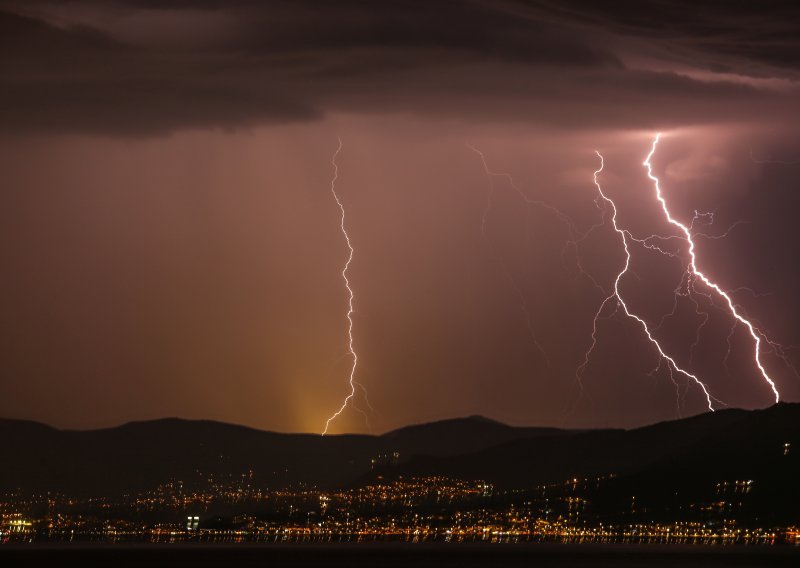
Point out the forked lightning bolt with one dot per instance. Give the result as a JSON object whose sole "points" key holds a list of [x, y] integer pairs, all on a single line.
{"points": [[620, 302], [685, 289], [351, 296], [755, 333]]}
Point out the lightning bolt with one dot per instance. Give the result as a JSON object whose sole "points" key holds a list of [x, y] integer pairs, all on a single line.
{"points": [[576, 237], [350, 298], [617, 299], [686, 288], [755, 333]]}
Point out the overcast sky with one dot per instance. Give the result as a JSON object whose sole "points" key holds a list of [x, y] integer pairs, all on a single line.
{"points": [[170, 245]]}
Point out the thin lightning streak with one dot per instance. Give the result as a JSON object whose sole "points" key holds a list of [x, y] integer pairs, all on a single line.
{"points": [[681, 291], [523, 303], [706, 217], [491, 174], [621, 302], [366, 400], [706, 316], [730, 348], [755, 334], [723, 235], [576, 237], [751, 292], [351, 350], [671, 376]]}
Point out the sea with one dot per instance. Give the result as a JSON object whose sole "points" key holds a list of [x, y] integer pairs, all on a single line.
{"points": [[390, 555]]}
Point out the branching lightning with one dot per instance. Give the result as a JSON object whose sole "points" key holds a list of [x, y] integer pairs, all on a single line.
{"points": [[686, 288], [350, 298], [616, 296], [755, 333], [576, 237], [694, 285]]}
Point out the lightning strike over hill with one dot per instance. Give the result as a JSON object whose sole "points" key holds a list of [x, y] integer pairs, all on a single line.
{"points": [[616, 296], [351, 349], [755, 333]]}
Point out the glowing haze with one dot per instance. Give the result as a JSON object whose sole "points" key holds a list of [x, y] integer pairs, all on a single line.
{"points": [[176, 241]]}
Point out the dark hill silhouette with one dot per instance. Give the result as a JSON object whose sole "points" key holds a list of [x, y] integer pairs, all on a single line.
{"points": [[460, 435], [752, 448], [140, 455], [529, 461]]}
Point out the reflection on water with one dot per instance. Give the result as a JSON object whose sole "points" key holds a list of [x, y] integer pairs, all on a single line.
{"points": [[304, 537]]}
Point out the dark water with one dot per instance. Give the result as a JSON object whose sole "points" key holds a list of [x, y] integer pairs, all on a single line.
{"points": [[390, 555]]}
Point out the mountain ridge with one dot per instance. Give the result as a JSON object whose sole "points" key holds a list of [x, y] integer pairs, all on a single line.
{"points": [[141, 454]]}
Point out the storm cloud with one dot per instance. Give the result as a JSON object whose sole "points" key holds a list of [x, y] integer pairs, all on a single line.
{"points": [[133, 68], [170, 245]]}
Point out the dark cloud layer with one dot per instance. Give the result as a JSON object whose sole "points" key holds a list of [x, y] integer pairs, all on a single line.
{"points": [[134, 68], [724, 35]]}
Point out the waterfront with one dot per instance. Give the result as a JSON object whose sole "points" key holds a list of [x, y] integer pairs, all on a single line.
{"points": [[422, 510], [397, 554]]}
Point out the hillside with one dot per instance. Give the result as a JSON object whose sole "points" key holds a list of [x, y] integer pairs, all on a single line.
{"points": [[729, 444]]}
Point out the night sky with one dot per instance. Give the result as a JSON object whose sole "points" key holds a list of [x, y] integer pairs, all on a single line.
{"points": [[170, 245]]}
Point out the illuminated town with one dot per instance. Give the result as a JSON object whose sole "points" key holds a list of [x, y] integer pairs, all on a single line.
{"points": [[409, 510]]}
